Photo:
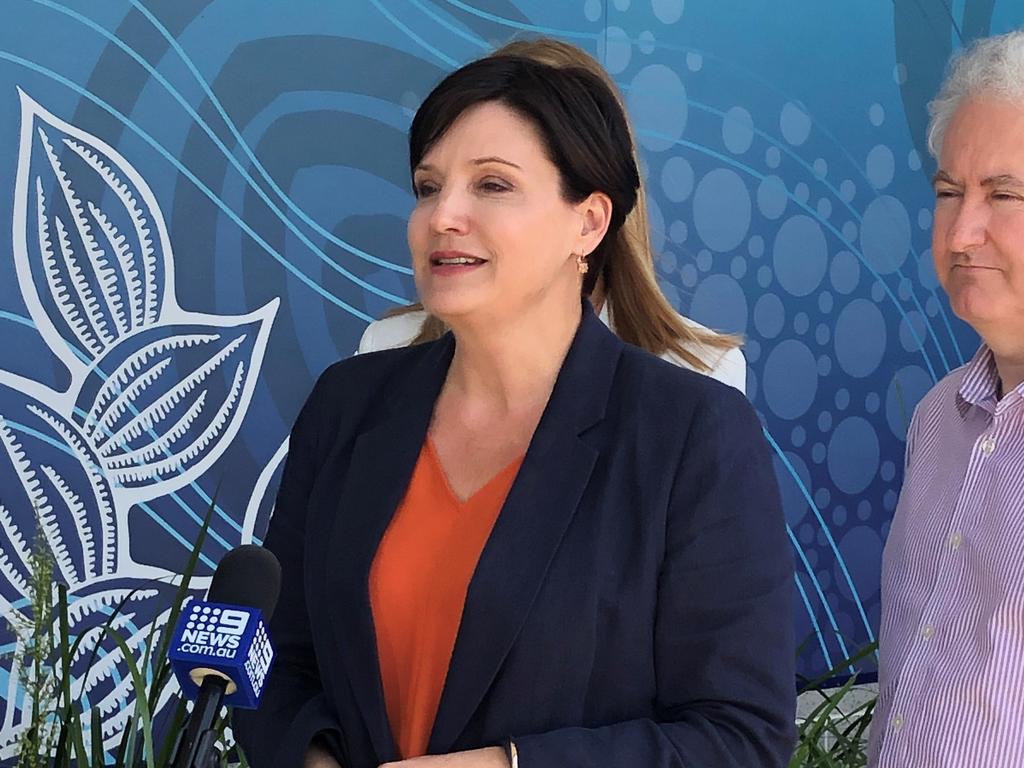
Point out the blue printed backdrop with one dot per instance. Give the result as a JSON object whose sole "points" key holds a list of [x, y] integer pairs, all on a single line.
{"points": [[207, 201]]}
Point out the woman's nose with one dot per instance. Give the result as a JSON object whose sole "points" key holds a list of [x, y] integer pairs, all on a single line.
{"points": [[451, 213]]}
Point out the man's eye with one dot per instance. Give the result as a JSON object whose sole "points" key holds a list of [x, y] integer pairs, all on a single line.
{"points": [[946, 193]]}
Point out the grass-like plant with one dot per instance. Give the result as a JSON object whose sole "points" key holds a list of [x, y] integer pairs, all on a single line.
{"points": [[834, 733], [60, 734], [32, 659]]}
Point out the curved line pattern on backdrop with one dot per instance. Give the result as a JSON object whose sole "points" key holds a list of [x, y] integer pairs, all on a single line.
{"points": [[291, 204], [469, 37], [230, 156], [815, 215], [447, 60], [128, 123]]}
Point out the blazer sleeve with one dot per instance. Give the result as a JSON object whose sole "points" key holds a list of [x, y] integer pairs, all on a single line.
{"points": [[724, 654], [293, 710]]}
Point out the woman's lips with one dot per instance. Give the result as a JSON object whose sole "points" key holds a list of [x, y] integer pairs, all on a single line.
{"points": [[450, 263]]}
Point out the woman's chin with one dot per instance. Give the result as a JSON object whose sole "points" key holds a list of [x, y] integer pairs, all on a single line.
{"points": [[453, 305]]}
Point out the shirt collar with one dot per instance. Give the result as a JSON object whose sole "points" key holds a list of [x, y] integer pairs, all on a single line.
{"points": [[980, 384]]}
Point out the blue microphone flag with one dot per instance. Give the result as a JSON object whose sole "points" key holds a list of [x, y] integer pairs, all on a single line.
{"points": [[230, 641]]}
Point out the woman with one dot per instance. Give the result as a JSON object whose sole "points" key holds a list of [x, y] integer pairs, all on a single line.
{"points": [[644, 318], [526, 543]]}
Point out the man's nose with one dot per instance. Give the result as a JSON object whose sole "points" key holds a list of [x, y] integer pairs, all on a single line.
{"points": [[969, 227]]}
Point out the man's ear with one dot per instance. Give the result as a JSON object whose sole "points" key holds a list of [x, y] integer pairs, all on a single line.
{"points": [[595, 217]]}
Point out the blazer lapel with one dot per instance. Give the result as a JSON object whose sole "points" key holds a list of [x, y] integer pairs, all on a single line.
{"points": [[537, 512], [378, 473]]}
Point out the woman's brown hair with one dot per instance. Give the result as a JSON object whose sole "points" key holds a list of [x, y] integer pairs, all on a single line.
{"points": [[642, 314]]}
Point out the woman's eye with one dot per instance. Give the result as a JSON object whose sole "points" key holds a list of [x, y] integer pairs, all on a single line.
{"points": [[490, 185], [425, 189]]}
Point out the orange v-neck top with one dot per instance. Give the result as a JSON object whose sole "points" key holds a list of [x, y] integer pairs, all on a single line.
{"points": [[418, 584]]}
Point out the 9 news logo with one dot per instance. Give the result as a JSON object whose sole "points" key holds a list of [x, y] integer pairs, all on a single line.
{"points": [[213, 632], [258, 664]]}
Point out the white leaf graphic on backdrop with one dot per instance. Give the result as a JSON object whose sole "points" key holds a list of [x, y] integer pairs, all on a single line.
{"points": [[156, 395], [102, 266], [169, 400], [48, 468]]}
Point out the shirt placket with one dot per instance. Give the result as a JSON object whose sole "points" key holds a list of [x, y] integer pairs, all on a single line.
{"points": [[919, 668]]}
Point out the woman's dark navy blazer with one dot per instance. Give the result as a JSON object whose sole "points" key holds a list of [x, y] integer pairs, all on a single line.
{"points": [[631, 608]]}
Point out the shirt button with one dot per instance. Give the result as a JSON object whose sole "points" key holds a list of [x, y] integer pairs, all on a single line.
{"points": [[896, 722], [988, 445], [955, 540], [927, 631]]}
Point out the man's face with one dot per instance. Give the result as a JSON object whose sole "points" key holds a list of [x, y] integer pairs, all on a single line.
{"points": [[978, 235]]}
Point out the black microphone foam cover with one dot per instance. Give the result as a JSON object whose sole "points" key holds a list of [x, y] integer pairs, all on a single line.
{"points": [[249, 576]]}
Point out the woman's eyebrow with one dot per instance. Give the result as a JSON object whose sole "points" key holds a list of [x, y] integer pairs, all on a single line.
{"points": [[474, 161], [494, 159]]}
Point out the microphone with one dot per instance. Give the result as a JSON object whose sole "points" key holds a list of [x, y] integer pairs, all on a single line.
{"points": [[220, 651]]}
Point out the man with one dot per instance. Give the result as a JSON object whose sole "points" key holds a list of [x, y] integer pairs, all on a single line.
{"points": [[952, 637]]}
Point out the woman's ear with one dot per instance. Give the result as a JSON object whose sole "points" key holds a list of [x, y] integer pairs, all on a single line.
{"points": [[595, 216]]}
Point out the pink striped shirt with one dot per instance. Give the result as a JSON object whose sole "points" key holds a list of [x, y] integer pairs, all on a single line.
{"points": [[951, 678]]}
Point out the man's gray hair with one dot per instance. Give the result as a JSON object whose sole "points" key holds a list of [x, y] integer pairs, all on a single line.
{"points": [[992, 66]]}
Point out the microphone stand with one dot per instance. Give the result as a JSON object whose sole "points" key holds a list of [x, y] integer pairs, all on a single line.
{"points": [[196, 746]]}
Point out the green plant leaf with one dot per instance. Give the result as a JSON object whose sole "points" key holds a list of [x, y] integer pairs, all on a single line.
{"points": [[105, 629], [163, 671], [832, 735], [174, 728], [97, 738], [141, 704], [81, 755], [839, 668], [62, 759], [53, 675]]}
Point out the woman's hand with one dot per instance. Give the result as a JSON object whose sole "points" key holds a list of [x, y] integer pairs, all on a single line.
{"points": [[318, 757], [491, 757]]}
